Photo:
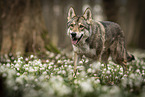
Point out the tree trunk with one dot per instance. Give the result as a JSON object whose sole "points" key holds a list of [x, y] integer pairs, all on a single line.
{"points": [[136, 14], [22, 26], [0, 24], [111, 10]]}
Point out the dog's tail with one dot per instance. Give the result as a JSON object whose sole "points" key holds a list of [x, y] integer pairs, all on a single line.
{"points": [[130, 58]]}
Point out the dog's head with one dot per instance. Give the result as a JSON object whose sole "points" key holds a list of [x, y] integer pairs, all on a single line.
{"points": [[79, 26]]}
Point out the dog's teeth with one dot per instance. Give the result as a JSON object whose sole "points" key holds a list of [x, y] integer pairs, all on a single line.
{"points": [[74, 41]]}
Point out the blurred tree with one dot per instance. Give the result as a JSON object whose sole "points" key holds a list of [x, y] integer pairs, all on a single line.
{"points": [[135, 20], [0, 24], [23, 28], [111, 10], [130, 17]]}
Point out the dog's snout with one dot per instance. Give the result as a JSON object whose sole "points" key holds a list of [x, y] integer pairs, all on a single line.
{"points": [[73, 34]]}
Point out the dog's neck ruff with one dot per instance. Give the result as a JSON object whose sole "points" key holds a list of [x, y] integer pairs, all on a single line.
{"points": [[82, 43]]}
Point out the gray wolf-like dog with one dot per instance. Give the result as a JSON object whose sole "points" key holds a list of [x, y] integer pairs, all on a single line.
{"points": [[96, 40]]}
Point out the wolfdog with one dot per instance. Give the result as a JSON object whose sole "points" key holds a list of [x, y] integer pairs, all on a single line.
{"points": [[96, 40]]}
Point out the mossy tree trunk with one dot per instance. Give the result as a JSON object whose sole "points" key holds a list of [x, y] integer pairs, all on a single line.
{"points": [[22, 26]]}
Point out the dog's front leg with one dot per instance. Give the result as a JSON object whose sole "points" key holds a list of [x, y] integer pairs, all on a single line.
{"points": [[76, 61]]}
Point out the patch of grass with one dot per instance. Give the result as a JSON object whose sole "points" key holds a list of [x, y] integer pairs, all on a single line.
{"points": [[53, 76]]}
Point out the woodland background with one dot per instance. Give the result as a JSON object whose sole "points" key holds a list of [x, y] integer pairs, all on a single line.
{"points": [[40, 25]]}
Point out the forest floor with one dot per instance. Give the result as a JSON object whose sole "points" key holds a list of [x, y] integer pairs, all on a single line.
{"points": [[52, 75]]}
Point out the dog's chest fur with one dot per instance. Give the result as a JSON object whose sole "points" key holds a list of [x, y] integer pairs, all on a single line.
{"points": [[85, 50]]}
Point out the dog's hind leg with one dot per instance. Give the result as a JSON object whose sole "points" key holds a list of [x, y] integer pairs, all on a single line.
{"points": [[119, 53]]}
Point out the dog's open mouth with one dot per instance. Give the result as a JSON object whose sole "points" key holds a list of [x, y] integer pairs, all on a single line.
{"points": [[76, 40]]}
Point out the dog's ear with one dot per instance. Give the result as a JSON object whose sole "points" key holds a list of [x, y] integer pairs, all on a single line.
{"points": [[88, 14], [71, 13]]}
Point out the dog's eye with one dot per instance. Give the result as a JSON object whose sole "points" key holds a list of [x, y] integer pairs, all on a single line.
{"points": [[71, 25], [81, 26]]}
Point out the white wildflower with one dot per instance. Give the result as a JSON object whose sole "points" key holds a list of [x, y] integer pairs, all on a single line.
{"points": [[89, 70], [93, 70], [26, 59], [116, 77], [10, 82], [130, 82], [58, 86], [18, 69], [45, 65], [95, 74], [31, 56], [77, 73], [49, 67], [4, 75], [51, 55], [105, 88], [138, 71], [76, 81], [117, 66], [47, 61], [96, 65], [36, 80], [44, 73], [8, 65], [81, 67], [83, 74], [47, 76], [27, 85], [11, 73], [31, 69], [19, 80], [121, 69], [132, 76], [108, 72], [63, 90], [70, 66], [124, 82], [86, 87], [18, 74], [42, 68], [80, 62], [115, 91], [31, 77], [17, 66], [109, 67], [58, 56], [86, 61], [104, 69], [97, 81], [8, 60], [15, 61], [70, 77], [59, 72], [15, 88], [36, 68], [102, 65], [103, 72], [51, 74], [63, 72], [26, 69], [138, 80], [121, 73], [59, 62]]}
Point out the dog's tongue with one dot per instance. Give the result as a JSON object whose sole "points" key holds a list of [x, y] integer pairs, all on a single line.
{"points": [[74, 41]]}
